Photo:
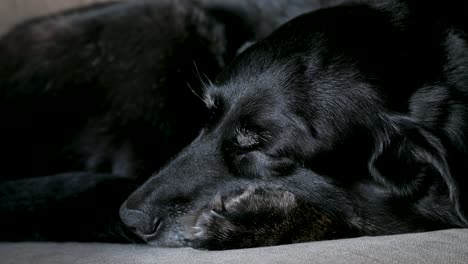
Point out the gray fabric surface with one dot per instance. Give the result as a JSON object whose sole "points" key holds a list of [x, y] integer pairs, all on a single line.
{"points": [[448, 246]]}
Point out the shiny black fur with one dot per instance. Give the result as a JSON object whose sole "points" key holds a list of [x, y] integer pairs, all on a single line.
{"points": [[346, 121]]}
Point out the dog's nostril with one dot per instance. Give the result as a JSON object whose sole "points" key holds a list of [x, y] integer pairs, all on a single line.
{"points": [[139, 221]]}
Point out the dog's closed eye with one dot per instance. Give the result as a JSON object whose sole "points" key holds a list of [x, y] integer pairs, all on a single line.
{"points": [[246, 139]]}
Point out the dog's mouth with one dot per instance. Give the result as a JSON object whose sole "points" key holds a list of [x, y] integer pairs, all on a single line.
{"points": [[177, 232]]}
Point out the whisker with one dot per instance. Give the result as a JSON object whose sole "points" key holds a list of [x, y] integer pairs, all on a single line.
{"points": [[195, 93], [197, 72], [208, 80]]}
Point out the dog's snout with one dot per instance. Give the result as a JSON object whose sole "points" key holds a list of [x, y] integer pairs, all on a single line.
{"points": [[139, 221]]}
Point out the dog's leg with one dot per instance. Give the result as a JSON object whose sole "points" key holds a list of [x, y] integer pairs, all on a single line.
{"points": [[260, 216], [64, 207]]}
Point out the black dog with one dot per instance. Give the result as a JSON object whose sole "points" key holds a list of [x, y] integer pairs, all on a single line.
{"points": [[95, 100], [344, 122]]}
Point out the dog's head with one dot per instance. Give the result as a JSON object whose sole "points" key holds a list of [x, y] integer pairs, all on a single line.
{"points": [[323, 120]]}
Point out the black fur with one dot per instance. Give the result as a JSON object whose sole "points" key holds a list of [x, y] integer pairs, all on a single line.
{"points": [[346, 121]]}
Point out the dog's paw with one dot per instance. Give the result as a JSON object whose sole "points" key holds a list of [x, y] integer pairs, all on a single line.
{"points": [[247, 219], [256, 217]]}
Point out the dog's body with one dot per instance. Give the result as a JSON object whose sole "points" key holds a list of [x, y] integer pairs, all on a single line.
{"points": [[346, 121]]}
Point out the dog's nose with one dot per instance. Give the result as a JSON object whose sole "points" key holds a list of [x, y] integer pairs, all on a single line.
{"points": [[142, 223]]}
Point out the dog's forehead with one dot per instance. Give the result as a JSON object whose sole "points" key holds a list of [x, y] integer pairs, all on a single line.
{"points": [[254, 76], [249, 92]]}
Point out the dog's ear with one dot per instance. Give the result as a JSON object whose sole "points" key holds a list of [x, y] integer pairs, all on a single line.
{"points": [[406, 161], [409, 160]]}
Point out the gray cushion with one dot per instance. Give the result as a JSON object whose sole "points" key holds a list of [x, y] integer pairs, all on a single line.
{"points": [[448, 246]]}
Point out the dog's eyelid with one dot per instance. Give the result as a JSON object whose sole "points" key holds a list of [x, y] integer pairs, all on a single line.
{"points": [[248, 138]]}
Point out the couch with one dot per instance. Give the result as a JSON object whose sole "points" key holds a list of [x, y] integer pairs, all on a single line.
{"points": [[446, 246]]}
